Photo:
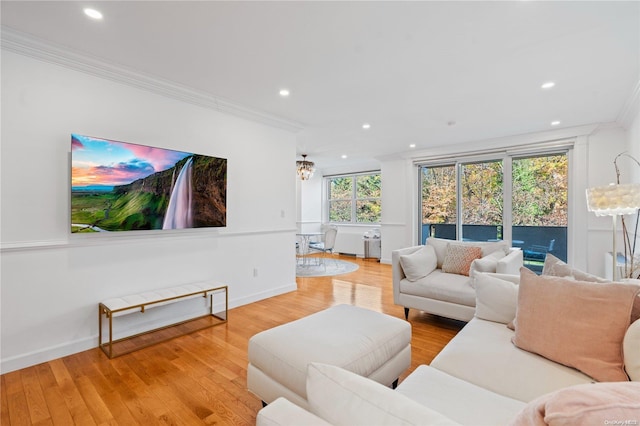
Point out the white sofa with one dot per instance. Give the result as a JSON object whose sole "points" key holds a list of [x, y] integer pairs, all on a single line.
{"points": [[442, 293], [479, 378]]}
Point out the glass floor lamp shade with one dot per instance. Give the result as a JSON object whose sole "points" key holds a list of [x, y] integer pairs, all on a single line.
{"points": [[613, 200]]}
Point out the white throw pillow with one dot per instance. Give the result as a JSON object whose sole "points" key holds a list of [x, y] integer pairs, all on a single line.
{"points": [[496, 297], [345, 398], [419, 264], [488, 263], [631, 351]]}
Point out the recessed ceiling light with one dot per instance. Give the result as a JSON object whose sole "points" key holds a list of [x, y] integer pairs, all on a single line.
{"points": [[92, 13], [548, 85], [366, 126], [344, 156], [284, 93], [555, 123], [413, 145]]}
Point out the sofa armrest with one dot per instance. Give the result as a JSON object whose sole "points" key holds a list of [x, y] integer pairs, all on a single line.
{"points": [[511, 263], [283, 412], [396, 268]]}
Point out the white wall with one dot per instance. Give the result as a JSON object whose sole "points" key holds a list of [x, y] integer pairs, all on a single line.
{"points": [[399, 206], [51, 281], [633, 147], [310, 203], [604, 145]]}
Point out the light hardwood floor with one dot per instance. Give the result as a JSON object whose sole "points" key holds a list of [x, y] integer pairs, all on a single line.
{"points": [[199, 378]]}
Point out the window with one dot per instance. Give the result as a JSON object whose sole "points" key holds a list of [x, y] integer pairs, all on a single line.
{"points": [[354, 198], [519, 198]]}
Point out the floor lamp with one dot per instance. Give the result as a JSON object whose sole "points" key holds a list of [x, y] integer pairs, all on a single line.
{"points": [[614, 200]]}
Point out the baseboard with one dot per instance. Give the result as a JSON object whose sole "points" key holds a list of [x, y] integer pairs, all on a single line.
{"points": [[39, 356], [47, 354], [263, 295]]}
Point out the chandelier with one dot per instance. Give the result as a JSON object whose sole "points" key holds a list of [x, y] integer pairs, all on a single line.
{"points": [[305, 168]]}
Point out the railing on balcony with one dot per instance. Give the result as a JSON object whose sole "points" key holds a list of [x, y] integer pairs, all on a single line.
{"points": [[535, 241]]}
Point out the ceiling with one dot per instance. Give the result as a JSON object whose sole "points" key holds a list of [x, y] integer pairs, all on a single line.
{"points": [[425, 73]]}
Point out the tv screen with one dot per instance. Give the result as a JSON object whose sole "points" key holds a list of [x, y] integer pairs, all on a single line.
{"points": [[119, 186]]}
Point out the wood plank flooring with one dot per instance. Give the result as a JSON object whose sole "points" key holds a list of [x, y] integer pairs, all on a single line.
{"points": [[199, 378]]}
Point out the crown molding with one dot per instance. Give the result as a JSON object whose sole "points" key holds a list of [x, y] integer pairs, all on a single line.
{"points": [[630, 109], [33, 47]]}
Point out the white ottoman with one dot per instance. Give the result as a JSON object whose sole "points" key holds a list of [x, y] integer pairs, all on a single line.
{"points": [[366, 342]]}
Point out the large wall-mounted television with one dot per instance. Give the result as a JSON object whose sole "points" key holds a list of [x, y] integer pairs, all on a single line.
{"points": [[119, 186]]}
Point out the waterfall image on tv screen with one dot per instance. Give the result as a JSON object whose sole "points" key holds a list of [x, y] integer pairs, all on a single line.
{"points": [[118, 186]]}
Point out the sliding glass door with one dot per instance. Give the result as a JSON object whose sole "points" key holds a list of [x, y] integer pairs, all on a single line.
{"points": [[540, 207], [439, 202], [481, 196], [522, 199]]}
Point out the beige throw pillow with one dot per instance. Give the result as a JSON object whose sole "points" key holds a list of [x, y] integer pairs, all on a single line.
{"points": [[575, 323], [557, 268], [418, 264], [459, 257]]}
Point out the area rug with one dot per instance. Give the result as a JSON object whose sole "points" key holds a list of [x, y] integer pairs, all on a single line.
{"points": [[328, 268]]}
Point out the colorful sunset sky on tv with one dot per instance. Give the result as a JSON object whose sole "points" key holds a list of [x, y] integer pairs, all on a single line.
{"points": [[102, 163]]}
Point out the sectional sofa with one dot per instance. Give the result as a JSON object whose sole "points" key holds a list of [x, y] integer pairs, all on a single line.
{"points": [[485, 377]]}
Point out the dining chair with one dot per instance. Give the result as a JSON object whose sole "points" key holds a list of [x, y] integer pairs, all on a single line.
{"points": [[328, 243]]}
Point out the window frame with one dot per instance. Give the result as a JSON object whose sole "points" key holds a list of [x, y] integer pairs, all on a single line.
{"points": [[353, 199], [507, 156]]}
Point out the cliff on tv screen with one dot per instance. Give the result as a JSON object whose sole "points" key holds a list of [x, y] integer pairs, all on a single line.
{"points": [[118, 186]]}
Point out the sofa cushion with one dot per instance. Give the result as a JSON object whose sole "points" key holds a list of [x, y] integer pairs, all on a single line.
{"points": [[344, 398], [439, 285], [419, 263], [440, 246], [575, 323], [631, 351], [482, 354], [591, 404], [487, 263], [461, 401], [496, 297], [458, 258]]}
